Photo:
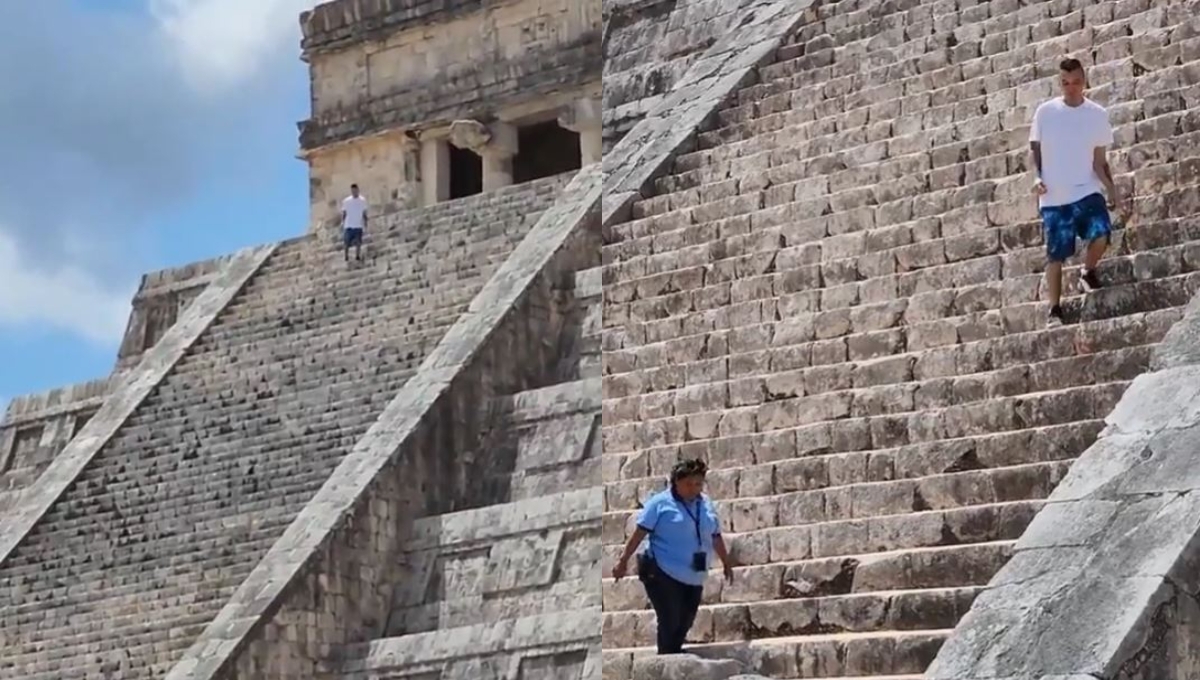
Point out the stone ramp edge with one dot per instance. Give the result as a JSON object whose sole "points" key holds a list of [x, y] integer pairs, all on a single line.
{"points": [[1105, 582], [128, 394], [266, 588]]}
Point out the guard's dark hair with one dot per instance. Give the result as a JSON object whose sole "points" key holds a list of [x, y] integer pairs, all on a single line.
{"points": [[1070, 65], [688, 468]]}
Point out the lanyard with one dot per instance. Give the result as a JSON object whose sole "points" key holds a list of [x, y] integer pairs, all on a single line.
{"points": [[695, 517]]}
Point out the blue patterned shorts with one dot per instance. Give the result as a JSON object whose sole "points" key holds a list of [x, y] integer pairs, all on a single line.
{"points": [[1086, 218]]}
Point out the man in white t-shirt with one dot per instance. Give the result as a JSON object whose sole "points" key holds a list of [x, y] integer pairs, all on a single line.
{"points": [[1069, 142], [354, 223]]}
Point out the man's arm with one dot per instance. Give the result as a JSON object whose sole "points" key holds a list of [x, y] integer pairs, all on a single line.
{"points": [[1035, 151], [1104, 172], [1102, 140], [343, 222], [1035, 158]]}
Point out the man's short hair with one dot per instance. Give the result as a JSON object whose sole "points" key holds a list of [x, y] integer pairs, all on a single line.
{"points": [[353, 186], [1070, 65]]}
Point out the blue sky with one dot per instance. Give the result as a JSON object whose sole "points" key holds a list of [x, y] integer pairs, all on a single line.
{"points": [[135, 135]]}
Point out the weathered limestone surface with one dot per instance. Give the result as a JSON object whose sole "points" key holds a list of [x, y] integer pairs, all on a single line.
{"points": [[1105, 581], [833, 294], [686, 667], [657, 140], [558, 646], [649, 45], [328, 579], [126, 397]]}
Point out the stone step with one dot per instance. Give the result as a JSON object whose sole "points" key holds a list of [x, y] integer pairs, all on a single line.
{"points": [[985, 275], [985, 416], [908, 610], [759, 553], [761, 469], [313, 392], [798, 574], [844, 86], [804, 399], [866, 500], [932, 163], [687, 367], [816, 656], [906, 252], [753, 326], [918, 71], [354, 329]]}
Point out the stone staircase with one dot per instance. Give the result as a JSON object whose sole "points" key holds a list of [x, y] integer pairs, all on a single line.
{"points": [[513, 581], [138, 555], [836, 300]]}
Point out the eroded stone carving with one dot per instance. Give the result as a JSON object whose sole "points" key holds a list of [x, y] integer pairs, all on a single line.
{"points": [[470, 135]]}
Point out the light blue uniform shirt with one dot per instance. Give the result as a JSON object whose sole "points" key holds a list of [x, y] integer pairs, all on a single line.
{"points": [[672, 540]]}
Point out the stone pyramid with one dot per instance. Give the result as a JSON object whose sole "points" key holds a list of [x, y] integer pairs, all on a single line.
{"points": [[809, 256]]}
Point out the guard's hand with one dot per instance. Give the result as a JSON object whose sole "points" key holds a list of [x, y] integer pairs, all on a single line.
{"points": [[619, 569], [1039, 188]]}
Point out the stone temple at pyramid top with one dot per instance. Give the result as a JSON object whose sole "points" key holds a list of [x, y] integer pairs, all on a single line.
{"points": [[422, 101]]}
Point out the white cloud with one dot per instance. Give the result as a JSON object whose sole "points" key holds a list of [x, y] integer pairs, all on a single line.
{"points": [[222, 43], [66, 298]]}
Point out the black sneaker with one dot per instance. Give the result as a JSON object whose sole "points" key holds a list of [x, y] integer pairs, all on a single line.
{"points": [[1089, 281], [1055, 318]]}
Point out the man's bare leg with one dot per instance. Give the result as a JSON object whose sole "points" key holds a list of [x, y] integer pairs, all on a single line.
{"points": [[1054, 289], [1091, 260], [1095, 251], [1054, 282]]}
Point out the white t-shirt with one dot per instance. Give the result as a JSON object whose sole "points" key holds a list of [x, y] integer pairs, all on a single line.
{"points": [[1069, 135], [356, 212]]}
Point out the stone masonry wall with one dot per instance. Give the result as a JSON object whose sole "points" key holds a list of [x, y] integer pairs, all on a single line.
{"points": [[160, 300], [648, 46], [481, 566], [37, 427], [497, 56]]}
